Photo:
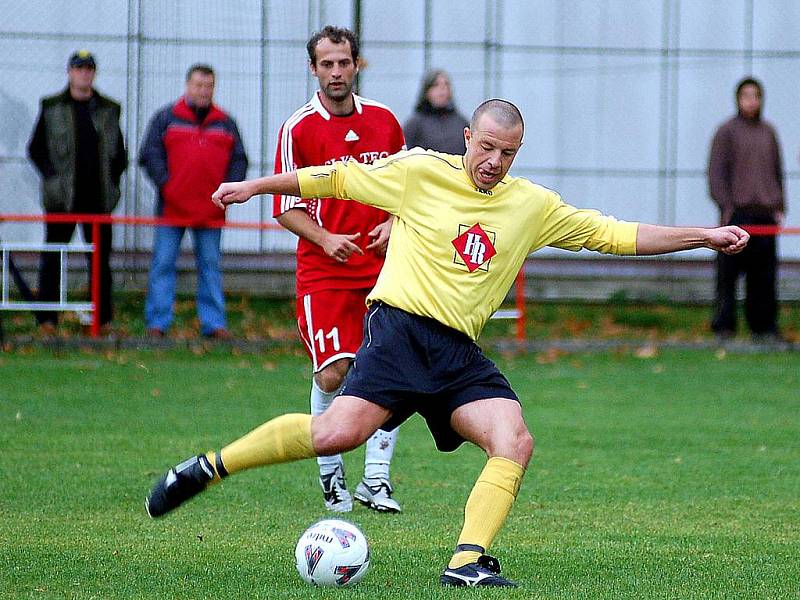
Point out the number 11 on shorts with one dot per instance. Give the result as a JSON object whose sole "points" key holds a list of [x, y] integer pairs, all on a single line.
{"points": [[332, 335]]}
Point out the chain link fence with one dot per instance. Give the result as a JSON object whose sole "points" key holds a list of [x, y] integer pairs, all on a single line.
{"points": [[621, 98]]}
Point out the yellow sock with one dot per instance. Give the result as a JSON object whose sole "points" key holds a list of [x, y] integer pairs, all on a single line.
{"points": [[487, 507], [283, 439]]}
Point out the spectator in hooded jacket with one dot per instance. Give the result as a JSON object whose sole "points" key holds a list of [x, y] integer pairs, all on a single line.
{"points": [[436, 124], [745, 176], [190, 148]]}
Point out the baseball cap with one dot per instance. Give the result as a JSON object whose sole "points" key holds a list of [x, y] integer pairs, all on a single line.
{"points": [[82, 58]]}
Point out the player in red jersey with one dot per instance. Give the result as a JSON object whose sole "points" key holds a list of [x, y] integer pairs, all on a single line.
{"points": [[341, 247]]}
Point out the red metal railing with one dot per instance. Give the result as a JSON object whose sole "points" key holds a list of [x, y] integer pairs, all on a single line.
{"points": [[770, 230], [98, 220]]}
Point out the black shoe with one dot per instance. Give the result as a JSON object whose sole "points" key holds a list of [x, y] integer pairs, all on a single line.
{"points": [[484, 573], [180, 483]]}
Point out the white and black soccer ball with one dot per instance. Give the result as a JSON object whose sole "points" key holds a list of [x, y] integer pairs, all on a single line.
{"points": [[332, 552]]}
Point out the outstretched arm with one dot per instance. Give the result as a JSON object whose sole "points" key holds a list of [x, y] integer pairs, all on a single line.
{"points": [[656, 239], [237, 192]]}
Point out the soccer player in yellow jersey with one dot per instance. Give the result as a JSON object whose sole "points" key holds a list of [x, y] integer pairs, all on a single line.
{"points": [[463, 229]]}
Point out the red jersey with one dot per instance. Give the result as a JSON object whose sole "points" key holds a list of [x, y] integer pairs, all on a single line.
{"points": [[311, 137]]}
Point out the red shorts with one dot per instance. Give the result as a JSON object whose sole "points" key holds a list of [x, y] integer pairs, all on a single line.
{"points": [[331, 324]]}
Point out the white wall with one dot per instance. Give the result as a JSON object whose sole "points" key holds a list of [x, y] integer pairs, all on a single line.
{"points": [[621, 97]]}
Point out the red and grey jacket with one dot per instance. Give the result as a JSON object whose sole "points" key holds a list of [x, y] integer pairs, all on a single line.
{"points": [[187, 160]]}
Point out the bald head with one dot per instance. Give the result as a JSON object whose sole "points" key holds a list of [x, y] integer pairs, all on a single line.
{"points": [[502, 112], [493, 139]]}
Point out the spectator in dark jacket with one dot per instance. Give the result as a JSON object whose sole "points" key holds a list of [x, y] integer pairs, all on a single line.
{"points": [[745, 178], [436, 124], [190, 147], [78, 148]]}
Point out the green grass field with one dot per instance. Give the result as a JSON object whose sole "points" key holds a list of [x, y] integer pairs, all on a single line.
{"points": [[675, 476]]}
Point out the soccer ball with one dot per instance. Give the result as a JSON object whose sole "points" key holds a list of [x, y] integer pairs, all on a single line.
{"points": [[332, 553]]}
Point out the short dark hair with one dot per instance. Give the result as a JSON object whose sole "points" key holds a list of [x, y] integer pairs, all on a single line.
{"points": [[200, 68], [338, 35], [749, 81], [504, 112]]}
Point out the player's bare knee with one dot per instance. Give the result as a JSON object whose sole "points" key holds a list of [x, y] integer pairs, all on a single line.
{"points": [[329, 440], [525, 444], [328, 380], [521, 443], [339, 430], [331, 377], [516, 446]]}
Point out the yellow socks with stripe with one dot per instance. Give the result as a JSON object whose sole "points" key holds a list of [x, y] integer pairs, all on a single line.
{"points": [[283, 439], [487, 508]]}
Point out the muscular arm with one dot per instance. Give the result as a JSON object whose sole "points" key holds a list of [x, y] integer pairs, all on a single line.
{"points": [[237, 192], [656, 239]]}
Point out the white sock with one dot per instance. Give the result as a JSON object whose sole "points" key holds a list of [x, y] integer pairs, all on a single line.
{"points": [[320, 401], [380, 448]]}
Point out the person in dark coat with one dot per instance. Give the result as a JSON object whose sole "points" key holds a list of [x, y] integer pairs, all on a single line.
{"points": [[78, 148], [436, 123], [745, 177]]}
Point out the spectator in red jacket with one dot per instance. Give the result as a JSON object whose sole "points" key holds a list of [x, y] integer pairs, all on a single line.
{"points": [[191, 146]]}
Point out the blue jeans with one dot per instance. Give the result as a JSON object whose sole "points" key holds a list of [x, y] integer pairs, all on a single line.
{"points": [[161, 286]]}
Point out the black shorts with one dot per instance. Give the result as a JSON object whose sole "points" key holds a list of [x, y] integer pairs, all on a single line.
{"points": [[409, 364]]}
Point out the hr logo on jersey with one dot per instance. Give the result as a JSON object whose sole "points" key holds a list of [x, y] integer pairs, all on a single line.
{"points": [[351, 136], [474, 247]]}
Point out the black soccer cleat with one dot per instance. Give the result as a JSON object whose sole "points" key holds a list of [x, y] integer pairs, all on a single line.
{"points": [[483, 573], [180, 483]]}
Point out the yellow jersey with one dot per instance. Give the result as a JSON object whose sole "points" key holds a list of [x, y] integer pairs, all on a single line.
{"points": [[455, 249]]}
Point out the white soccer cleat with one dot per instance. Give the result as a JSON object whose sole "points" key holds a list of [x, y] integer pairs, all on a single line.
{"points": [[334, 490], [377, 495]]}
